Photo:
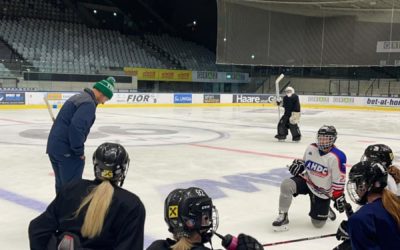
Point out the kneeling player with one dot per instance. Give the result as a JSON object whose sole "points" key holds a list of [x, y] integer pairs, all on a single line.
{"points": [[321, 175]]}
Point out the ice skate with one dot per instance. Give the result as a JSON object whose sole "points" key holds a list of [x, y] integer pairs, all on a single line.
{"points": [[280, 137], [281, 223]]}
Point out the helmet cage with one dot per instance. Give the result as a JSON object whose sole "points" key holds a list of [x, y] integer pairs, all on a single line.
{"points": [[325, 142], [358, 190]]}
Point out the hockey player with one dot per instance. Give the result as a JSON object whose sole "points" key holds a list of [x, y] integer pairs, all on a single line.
{"points": [[191, 217], [321, 175], [95, 214], [376, 225], [383, 154], [291, 117]]}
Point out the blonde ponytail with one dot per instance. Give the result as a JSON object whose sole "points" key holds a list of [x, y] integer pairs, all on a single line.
{"points": [[392, 204], [182, 244], [99, 200]]}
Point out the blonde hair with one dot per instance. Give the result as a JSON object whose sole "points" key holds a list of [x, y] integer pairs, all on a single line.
{"points": [[182, 244], [99, 200], [392, 204]]}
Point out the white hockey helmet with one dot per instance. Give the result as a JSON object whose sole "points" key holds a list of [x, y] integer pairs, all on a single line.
{"points": [[289, 91]]}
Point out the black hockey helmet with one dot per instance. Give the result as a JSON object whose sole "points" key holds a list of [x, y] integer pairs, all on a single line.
{"points": [[190, 210], [380, 153], [326, 137], [366, 177], [111, 162]]}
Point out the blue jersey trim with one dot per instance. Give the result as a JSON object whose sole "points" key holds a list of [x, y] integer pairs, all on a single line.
{"points": [[341, 157]]}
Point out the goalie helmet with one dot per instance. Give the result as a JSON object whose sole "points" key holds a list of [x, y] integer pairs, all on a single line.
{"points": [[289, 91], [190, 210], [326, 137], [364, 178], [111, 162], [379, 153]]}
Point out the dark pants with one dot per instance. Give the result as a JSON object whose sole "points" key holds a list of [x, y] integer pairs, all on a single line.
{"points": [[66, 168], [283, 127], [319, 208]]}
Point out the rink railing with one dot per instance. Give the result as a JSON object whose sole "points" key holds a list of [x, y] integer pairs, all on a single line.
{"points": [[35, 100]]}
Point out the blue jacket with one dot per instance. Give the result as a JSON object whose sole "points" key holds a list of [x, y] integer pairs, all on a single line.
{"points": [[372, 227], [72, 125]]}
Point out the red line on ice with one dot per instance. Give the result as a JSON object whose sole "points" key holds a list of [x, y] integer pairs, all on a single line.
{"points": [[245, 151], [250, 152], [11, 120]]}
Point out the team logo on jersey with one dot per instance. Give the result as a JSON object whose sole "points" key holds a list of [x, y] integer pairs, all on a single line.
{"points": [[316, 169]]}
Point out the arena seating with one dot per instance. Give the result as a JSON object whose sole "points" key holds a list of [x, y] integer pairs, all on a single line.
{"points": [[51, 9], [5, 72], [73, 47], [191, 55]]}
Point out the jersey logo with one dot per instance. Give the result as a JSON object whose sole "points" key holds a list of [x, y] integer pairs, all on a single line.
{"points": [[173, 212], [317, 169]]}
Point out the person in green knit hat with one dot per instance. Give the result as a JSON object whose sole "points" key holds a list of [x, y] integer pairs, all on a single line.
{"points": [[65, 144], [106, 89]]}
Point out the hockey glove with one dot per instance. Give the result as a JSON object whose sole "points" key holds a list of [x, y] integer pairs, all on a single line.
{"points": [[278, 103], [340, 204], [297, 167], [341, 233], [246, 242]]}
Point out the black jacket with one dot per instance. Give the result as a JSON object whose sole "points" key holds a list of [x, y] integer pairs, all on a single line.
{"points": [[166, 245], [123, 227], [291, 104]]}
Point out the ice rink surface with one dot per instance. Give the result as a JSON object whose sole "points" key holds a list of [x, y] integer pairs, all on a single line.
{"points": [[229, 151]]}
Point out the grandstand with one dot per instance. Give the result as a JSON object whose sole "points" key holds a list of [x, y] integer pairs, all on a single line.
{"points": [[52, 38]]}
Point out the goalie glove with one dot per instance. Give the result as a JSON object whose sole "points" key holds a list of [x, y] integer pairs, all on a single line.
{"points": [[341, 233], [297, 167], [246, 242]]}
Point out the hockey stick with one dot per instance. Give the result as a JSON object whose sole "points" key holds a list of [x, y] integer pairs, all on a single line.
{"points": [[49, 108], [297, 240], [277, 93], [347, 206]]}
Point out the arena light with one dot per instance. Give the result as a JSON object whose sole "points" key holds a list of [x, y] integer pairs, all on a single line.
{"points": [[194, 22], [95, 11], [115, 13], [253, 56], [224, 39]]}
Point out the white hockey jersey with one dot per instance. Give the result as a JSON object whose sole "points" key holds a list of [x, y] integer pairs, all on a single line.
{"points": [[325, 172]]}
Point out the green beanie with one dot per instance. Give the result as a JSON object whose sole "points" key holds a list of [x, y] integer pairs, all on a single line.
{"points": [[106, 86]]}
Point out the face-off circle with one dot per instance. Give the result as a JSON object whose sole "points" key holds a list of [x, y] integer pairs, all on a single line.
{"points": [[127, 134]]}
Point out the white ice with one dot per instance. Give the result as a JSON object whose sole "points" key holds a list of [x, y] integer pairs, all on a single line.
{"points": [[177, 147]]}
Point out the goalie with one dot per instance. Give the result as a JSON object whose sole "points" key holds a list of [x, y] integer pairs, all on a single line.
{"points": [[291, 117]]}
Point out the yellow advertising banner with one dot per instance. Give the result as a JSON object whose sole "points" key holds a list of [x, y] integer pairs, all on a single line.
{"points": [[54, 96], [146, 74]]}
